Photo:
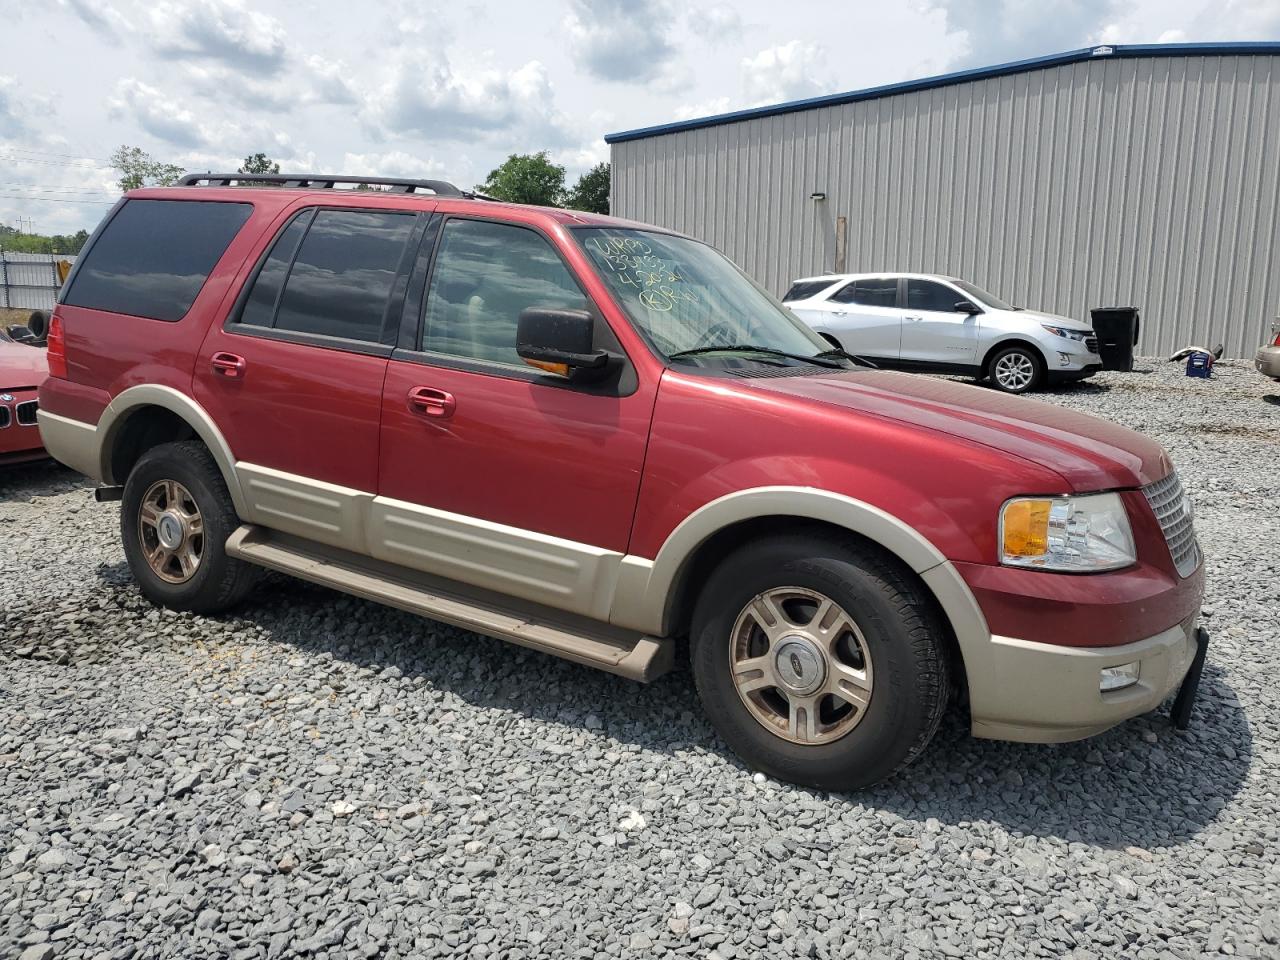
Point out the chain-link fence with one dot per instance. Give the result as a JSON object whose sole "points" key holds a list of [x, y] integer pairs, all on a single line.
{"points": [[30, 280]]}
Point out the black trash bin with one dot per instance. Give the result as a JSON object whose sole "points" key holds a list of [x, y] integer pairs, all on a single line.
{"points": [[1117, 330]]}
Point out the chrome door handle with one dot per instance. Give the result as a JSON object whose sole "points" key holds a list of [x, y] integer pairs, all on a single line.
{"points": [[838, 313], [432, 402]]}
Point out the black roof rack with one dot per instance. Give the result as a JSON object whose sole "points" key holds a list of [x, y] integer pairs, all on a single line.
{"points": [[325, 181]]}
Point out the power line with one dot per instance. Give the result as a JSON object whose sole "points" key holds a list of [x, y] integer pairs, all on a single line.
{"points": [[54, 188], [45, 153], [81, 164], [18, 196]]}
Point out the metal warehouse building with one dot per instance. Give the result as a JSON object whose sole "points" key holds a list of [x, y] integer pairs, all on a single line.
{"points": [[1126, 175]]}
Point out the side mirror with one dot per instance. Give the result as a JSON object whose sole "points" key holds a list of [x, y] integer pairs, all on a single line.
{"points": [[965, 306], [559, 341]]}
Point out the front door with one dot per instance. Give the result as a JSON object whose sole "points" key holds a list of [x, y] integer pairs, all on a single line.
{"points": [[933, 330], [494, 473], [863, 316], [294, 378]]}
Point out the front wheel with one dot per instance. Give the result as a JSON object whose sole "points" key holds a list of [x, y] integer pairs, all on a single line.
{"points": [[820, 661], [1016, 370]]}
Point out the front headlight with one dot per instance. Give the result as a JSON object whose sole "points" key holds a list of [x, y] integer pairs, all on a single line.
{"points": [[1067, 333], [1083, 534]]}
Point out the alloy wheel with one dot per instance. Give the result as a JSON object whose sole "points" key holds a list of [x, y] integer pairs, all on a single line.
{"points": [[801, 665], [171, 530], [1015, 371]]}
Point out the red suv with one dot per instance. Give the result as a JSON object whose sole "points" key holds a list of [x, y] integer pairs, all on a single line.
{"points": [[598, 438]]}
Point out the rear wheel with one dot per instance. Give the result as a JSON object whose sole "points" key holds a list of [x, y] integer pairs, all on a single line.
{"points": [[820, 661], [175, 517], [1016, 370]]}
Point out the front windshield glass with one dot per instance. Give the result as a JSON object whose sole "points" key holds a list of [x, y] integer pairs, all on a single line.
{"points": [[986, 299], [685, 296]]}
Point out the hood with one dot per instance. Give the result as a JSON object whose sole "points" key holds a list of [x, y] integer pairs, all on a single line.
{"points": [[21, 366], [1089, 453], [1039, 316]]}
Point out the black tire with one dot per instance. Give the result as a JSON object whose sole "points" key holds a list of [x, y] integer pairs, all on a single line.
{"points": [[38, 324], [219, 582], [904, 638], [1023, 357]]}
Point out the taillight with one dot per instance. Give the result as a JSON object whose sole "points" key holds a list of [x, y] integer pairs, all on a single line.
{"points": [[1276, 341], [56, 349]]}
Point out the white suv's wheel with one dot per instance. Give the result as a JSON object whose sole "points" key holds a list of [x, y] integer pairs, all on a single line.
{"points": [[1016, 370]]}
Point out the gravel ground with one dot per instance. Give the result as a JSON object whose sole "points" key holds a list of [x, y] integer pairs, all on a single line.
{"points": [[322, 777]]}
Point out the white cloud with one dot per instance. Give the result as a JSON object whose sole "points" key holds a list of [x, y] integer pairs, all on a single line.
{"points": [[718, 22], [705, 108], [13, 111], [100, 15], [427, 96], [158, 113], [621, 40], [222, 30], [790, 71], [395, 163]]}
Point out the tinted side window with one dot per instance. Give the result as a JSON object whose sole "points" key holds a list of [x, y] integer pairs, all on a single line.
{"points": [[927, 295], [260, 307], [869, 293], [343, 273], [154, 256], [804, 289], [485, 274]]}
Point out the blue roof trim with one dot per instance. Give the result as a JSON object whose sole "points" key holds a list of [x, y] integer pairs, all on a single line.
{"points": [[1245, 48]]}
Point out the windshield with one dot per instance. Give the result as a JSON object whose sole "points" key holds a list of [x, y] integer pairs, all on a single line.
{"points": [[685, 296], [987, 299]]}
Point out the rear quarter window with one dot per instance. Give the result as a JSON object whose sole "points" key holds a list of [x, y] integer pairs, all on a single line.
{"points": [[153, 257], [804, 289]]}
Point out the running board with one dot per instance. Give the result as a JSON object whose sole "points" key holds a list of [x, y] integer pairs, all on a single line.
{"points": [[582, 640]]}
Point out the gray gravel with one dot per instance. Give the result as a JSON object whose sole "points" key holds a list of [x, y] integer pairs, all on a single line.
{"points": [[319, 776]]}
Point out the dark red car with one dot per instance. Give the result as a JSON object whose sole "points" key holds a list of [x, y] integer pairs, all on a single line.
{"points": [[599, 439], [22, 370]]}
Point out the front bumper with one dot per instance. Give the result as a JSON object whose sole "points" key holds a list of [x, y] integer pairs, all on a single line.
{"points": [[1051, 694], [1267, 361], [19, 434]]}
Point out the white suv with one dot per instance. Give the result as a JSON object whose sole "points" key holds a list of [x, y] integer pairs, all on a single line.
{"points": [[923, 322]]}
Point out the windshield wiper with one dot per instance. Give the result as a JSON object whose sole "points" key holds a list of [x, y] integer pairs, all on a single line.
{"points": [[819, 360], [860, 361]]}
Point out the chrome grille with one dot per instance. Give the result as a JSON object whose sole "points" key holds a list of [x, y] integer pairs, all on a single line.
{"points": [[1173, 510], [4, 417], [26, 413]]}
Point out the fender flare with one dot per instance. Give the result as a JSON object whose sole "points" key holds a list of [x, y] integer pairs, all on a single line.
{"points": [[646, 588], [155, 395]]}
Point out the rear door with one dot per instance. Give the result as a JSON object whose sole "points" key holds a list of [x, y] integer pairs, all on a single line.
{"points": [[933, 331], [294, 376], [865, 317]]}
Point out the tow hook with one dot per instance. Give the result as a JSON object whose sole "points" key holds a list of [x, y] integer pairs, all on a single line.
{"points": [[108, 494]]}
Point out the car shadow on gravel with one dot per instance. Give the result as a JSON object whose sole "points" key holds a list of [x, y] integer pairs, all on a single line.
{"points": [[40, 478], [1141, 784]]}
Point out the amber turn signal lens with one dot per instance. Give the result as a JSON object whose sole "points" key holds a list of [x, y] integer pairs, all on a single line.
{"points": [[559, 369], [1026, 528]]}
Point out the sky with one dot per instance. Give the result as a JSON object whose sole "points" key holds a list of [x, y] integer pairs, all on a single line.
{"points": [[413, 89]]}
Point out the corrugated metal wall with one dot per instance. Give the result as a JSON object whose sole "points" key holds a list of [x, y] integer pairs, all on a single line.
{"points": [[1146, 181], [29, 280]]}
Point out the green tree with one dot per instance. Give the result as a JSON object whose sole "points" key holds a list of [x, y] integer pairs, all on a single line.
{"points": [[526, 178], [591, 192], [139, 169], [259, 163]]}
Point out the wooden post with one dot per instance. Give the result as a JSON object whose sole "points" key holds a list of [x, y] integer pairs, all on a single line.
{"points": [[842, 243]]}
